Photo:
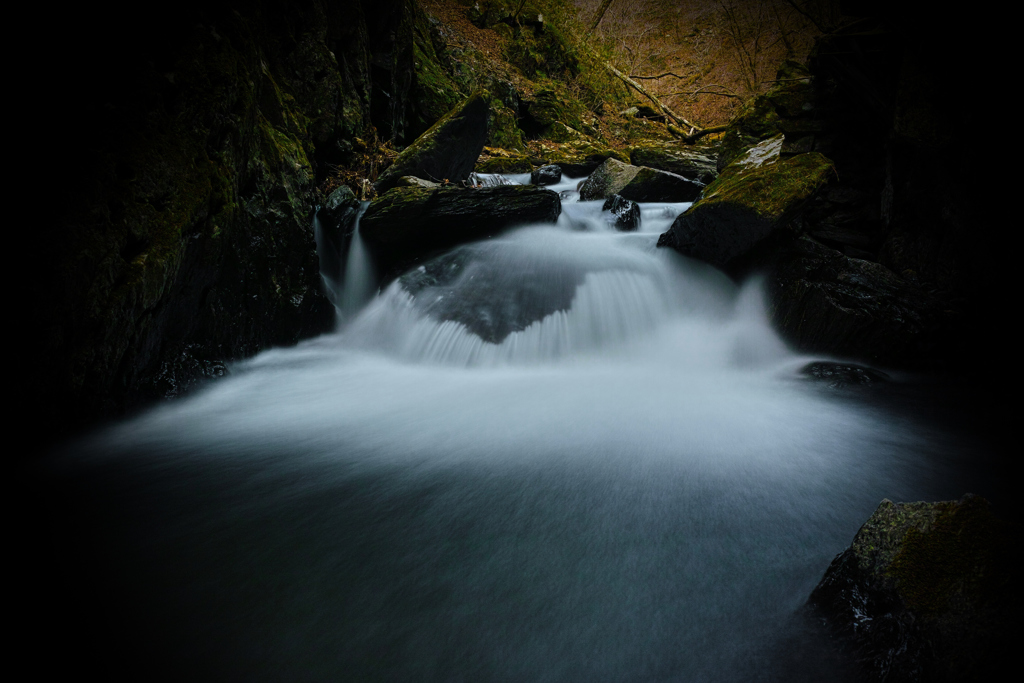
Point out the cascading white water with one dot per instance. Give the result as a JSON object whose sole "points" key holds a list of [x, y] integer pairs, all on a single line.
{"points": [[359, 274], [626, 480]]}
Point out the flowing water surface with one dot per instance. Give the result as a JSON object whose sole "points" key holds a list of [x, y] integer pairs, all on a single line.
{"points": [[558, 455]]}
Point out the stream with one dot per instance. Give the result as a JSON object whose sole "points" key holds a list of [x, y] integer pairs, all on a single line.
{"points": [[558, 455]]}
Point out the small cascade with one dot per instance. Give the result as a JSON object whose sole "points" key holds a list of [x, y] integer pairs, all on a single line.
{"points": [[360, 278]]}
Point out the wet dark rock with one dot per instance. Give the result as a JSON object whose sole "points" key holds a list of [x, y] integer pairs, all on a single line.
{"points": [[825, 302], [448, 151], [756, 195], [625, 212], [651, 185], [838, 375], [462, 286], [407, 224], [925, 592], [546, 175], [191, 235], [694, 164]]}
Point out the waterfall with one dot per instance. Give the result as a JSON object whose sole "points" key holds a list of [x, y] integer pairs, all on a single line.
{"points": [[560, 454], [360, 279]]}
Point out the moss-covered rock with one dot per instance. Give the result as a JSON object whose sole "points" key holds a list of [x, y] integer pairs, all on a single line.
{"points": [[789, 107], [607, 180], [925, 592], [446, 152], [504, 163], [576, 159], [188, 240], [550, 113], [756, 195]]}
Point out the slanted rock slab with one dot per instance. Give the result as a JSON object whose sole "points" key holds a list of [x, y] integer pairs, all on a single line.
{"points": [[652, 185], [448, 151]]}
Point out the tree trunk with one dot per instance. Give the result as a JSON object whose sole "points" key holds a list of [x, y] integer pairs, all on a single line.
{"points": [[600, 14]]}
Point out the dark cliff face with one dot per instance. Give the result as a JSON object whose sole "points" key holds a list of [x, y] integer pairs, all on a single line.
{"points": [[189, 143]]}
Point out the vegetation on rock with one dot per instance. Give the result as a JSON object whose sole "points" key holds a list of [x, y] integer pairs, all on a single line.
{"points": [[923, 591]]}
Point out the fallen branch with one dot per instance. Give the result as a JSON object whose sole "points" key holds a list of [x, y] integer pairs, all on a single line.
{"points": [[652, 78], [640, 89], [705, 91], [697, 135]]}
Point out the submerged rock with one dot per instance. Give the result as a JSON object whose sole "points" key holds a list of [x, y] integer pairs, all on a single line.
{"points": [[752, 198], [406, 224], [626, 213], [466, 287], [925, 592], [448, 151], [838, 375]]}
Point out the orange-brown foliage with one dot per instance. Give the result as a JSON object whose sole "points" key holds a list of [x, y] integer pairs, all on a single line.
{"points": [[721, 52]]}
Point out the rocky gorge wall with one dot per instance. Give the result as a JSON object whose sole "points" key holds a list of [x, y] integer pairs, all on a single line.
{"points": [[198, 136]]}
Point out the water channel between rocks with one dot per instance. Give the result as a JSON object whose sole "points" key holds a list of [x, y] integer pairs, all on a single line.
{"points": [[637, 486]]}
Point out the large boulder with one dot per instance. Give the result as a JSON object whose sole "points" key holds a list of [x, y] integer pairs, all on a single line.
{"points": [[638, 183], [925, 592], [607, 180], [695, 164], [448, 151], [825, 302], [406, 224], [652, 185], [756, 195]]}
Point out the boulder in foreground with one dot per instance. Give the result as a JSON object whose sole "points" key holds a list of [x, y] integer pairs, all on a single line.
{"points": [[925, 592]]}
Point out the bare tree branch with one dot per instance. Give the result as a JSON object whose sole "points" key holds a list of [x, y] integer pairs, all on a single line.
{"points": [[640, 89]]}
